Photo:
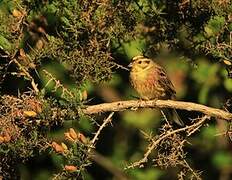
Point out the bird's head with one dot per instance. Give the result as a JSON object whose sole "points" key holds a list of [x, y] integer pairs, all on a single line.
{"points": [[140, 63]]}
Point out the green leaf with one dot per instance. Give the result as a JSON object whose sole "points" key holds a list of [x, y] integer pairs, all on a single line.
{"points": [[4, 43], [199, 38], [134, 48], [230, 27], [209, 31], [228, 84], [65, 21], [214, 26]]}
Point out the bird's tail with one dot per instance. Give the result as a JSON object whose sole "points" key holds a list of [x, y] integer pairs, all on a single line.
{"points": [[171, 114]]}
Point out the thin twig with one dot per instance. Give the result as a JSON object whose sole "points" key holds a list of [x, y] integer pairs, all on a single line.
{"points": [[33, 84], [100, 159], [134, 104], [154, 143], [105, 122], [57, 85], [196, 175]]}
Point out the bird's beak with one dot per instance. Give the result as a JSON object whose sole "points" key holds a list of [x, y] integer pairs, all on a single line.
{"points": [[130, 65]]}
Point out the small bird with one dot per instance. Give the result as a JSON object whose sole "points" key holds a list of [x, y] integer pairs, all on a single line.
{"points": [[151, 82]]}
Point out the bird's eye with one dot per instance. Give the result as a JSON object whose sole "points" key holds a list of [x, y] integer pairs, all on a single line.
{"points": [[147, 62], [140, 62]]}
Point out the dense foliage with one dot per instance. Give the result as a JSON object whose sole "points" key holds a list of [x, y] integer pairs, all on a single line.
{"points": [[57, 56]]}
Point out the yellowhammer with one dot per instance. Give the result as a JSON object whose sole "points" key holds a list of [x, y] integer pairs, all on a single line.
{"points": [[151, 82]]}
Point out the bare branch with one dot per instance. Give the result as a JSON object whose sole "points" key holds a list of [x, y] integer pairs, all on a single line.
{"points": [[196, 175], [100, 159], [105, 122], [154, 143], [27, 74], [133, 104]]}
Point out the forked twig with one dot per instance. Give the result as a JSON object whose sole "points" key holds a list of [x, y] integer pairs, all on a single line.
{"points": [[105, 122], [154, 143]]}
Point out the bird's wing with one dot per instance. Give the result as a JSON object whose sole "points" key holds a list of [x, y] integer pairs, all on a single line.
{"points": [[165, 82]]}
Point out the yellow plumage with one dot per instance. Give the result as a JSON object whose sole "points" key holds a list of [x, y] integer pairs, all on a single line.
{"points": [[151, 82]]}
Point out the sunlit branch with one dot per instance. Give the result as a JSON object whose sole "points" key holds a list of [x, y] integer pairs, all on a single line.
{"points": [[134, 104]]}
